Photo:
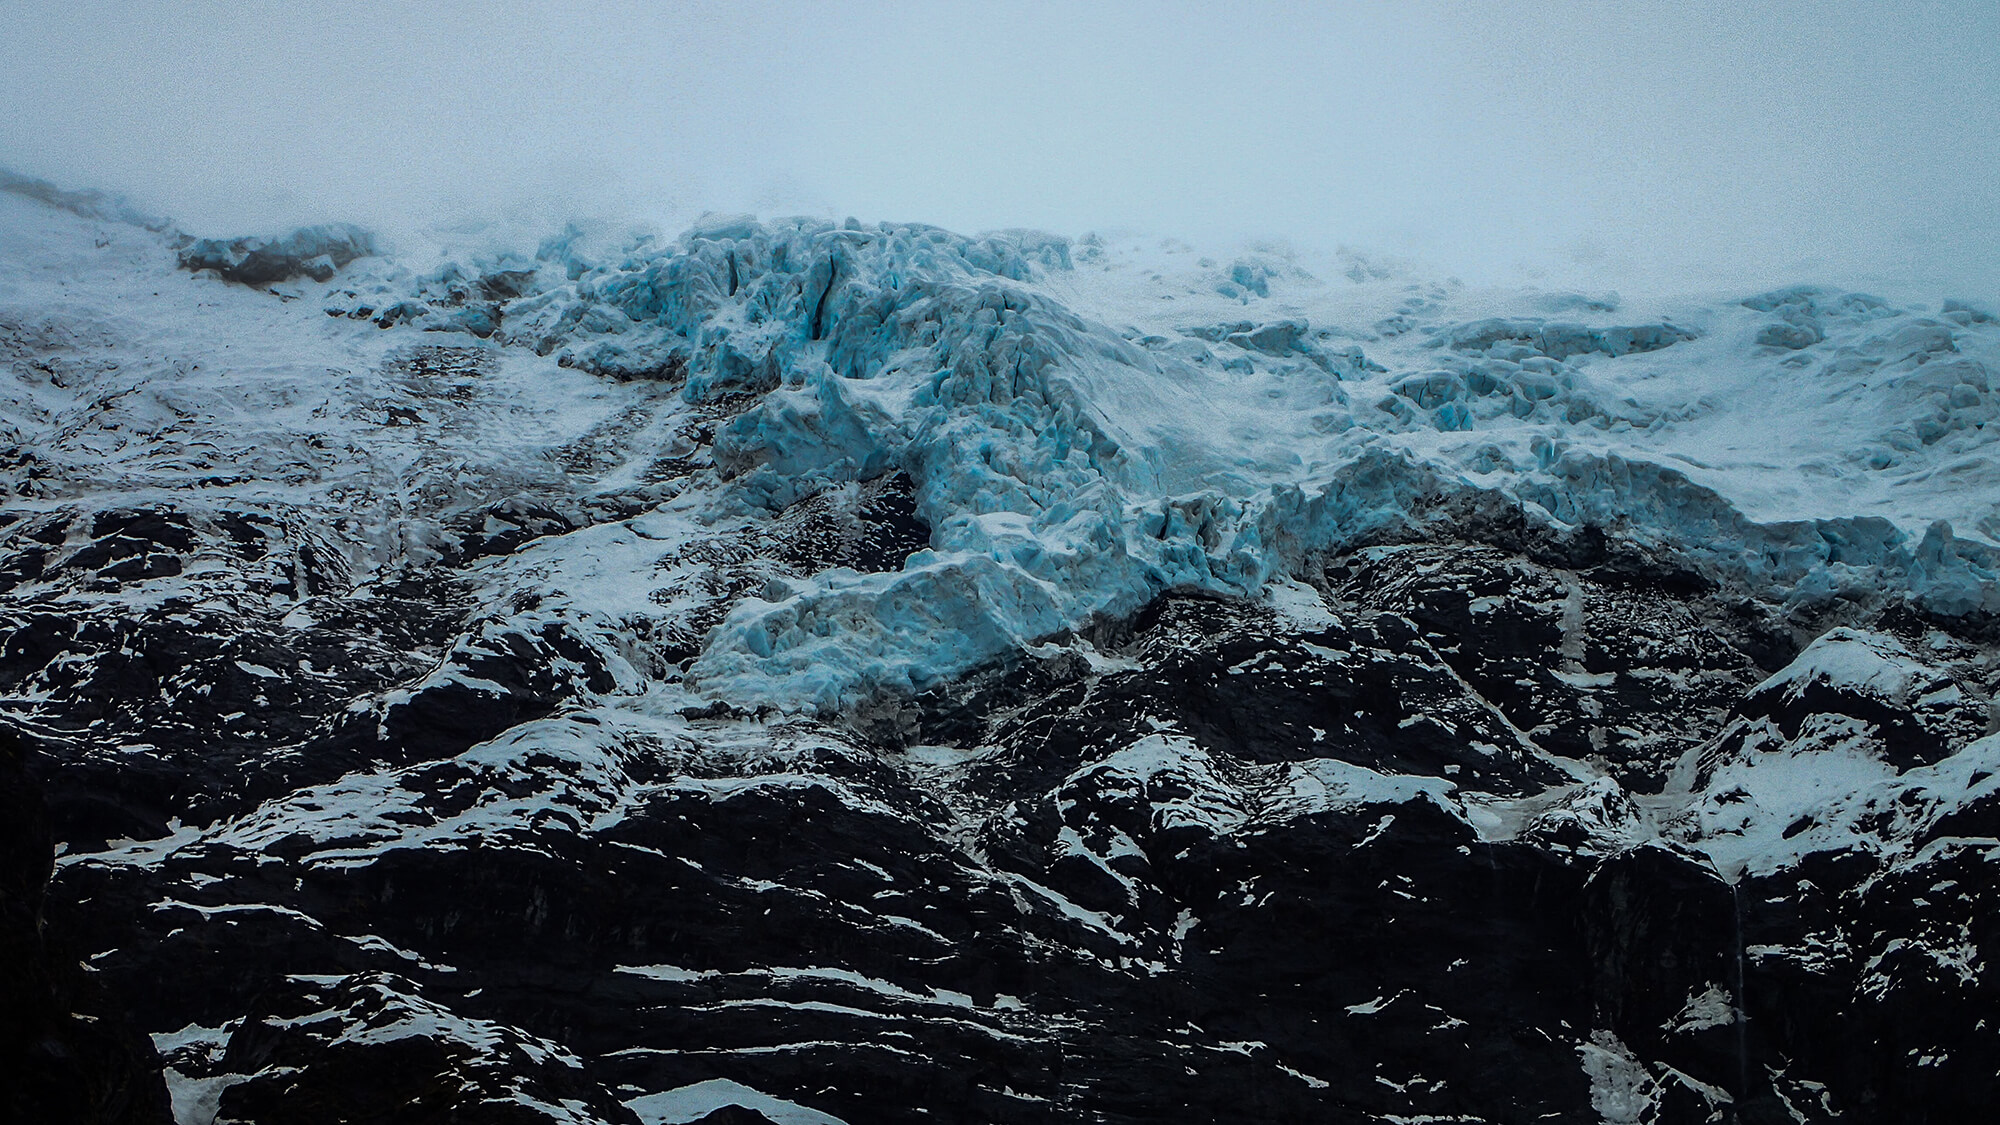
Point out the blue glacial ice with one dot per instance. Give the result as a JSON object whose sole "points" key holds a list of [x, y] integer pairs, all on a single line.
{"points": [[1071, 470]]}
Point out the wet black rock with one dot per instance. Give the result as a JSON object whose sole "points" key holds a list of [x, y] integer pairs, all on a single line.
{"points": [[72, 1055], [316, 252], [732, 1115], [1561, 341], [366, 1048], [1212, 861]]}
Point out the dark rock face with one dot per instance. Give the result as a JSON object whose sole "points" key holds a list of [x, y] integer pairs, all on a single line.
{"points": [[733, 1115], [315, 252], [1595, 664], [363, 1049], [1561, 341], [71, 1053], [1214, 863]]}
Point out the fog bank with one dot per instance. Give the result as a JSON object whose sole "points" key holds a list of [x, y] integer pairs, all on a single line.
{"points": [[1559, 143]]}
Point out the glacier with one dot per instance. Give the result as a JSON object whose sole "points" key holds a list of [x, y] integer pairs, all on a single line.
{"points": [[1220, 438]]}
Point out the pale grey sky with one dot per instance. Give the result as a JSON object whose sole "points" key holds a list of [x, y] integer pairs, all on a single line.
{"points": [[1757, 138]]}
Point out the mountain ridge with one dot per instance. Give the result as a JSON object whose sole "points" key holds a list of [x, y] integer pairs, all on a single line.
{"points": [[836, 663]]}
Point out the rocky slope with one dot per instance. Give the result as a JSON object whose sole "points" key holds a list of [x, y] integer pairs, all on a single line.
{"points": [[817, 673]]}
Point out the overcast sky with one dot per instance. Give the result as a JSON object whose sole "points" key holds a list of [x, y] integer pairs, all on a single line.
{"points": [[1756, 139]]}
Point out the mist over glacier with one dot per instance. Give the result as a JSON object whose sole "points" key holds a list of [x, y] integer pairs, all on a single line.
{"points": [[1569, 144]]}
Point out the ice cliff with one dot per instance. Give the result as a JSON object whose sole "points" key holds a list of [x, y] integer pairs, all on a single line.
{"points": [[1082, 438]]}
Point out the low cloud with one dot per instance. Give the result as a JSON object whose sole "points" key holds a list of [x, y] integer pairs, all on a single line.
{"points": [[1564, 143]]}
